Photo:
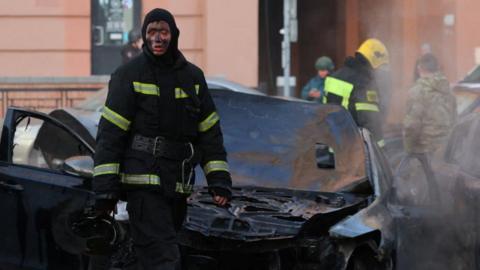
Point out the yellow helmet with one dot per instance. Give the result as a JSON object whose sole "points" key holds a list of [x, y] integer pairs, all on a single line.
{"points": [[375, 52]]}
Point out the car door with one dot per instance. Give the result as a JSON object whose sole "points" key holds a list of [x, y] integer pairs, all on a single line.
{"points": [[38, 191]]}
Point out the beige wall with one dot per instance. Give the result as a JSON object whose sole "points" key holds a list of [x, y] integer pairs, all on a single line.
{"points": [[45, 38], [232, 39], [52, 37], [220, 36]]}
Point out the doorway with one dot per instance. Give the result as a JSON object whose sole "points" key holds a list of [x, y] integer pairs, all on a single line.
{"points": [[111, 22], [320, 32]]}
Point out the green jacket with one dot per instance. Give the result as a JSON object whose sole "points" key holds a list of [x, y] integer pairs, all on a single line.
{"points": [[431, 113]]}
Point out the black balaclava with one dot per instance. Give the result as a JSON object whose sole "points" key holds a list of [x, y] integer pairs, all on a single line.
{"points": [[172, 52]]}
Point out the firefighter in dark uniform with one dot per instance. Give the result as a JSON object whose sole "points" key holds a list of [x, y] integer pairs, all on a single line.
{"points": [[158, 122], [355, 87]]}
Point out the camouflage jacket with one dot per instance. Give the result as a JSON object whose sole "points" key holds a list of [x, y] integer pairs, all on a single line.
{"points": [[431, 113]]}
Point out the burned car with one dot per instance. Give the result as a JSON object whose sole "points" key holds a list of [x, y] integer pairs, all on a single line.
{"points": [[310, 192], [467, 92]]}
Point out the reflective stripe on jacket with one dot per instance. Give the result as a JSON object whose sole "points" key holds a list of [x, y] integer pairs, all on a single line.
{"points": [[354, 88]]}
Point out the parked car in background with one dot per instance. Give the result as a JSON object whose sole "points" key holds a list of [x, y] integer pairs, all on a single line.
{"points": [[310, 191]]}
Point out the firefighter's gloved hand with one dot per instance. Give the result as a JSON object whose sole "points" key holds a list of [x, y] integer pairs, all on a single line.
{"points": [[221, 196], [105, 203]]}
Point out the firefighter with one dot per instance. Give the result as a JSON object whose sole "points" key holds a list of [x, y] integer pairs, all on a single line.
{"points": [[158, 122], [356, 88]]}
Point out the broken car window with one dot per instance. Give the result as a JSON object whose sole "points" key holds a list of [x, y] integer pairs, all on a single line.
{"points": [[42, 144]]}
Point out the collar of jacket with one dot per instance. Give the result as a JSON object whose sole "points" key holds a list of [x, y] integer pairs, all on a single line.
{"points": [[169, 60], [359, 63]]}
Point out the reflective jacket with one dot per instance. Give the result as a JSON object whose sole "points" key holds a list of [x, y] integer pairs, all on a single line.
{"points": [[149, 99], [353, 87]]}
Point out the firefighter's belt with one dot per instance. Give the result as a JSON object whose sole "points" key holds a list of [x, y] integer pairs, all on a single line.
{"points": [[161, 147]]}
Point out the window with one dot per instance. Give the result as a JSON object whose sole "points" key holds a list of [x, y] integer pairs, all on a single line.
{"points": [[44, 144]]}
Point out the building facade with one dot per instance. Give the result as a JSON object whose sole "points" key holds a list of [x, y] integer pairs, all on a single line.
{"points": [[239, 40], [83, 37]]}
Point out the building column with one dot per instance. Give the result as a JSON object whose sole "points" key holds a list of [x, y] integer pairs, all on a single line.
{"points": [[352, 26], [403, 53]]}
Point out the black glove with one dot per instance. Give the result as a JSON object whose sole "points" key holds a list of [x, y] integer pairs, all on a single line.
{"points": [[219, 191]]}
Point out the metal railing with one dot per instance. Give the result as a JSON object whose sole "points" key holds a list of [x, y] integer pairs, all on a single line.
{"points": [[45, 94]]}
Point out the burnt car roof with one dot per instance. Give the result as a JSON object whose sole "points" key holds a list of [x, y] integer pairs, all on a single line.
{"points": [[271, 142]]}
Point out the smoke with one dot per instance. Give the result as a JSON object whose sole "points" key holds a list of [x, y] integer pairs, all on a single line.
{"points": [[436, 231]]}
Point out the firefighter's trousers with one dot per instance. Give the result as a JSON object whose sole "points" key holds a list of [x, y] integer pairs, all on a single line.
{"points": [[154, 223]]}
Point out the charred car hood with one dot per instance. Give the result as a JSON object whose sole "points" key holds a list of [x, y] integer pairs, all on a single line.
{"points": [[257, 213]]}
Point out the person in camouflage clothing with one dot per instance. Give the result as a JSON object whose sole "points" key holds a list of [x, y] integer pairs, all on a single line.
{"points": [[431, 113], [431, 109]]}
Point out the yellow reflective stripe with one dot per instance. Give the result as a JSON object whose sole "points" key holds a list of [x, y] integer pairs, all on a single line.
{"points": [[339, 88], [109, 168], [366, 107], [215, 165], [146, 88], [209, 122], [115, 118], [180, 93], [140, 179], [381, 143], [372, 96], [184, 188]]}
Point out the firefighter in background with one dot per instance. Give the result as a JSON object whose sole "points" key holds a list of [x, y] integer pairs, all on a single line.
{"points": [[158, 123], [355, 86]]}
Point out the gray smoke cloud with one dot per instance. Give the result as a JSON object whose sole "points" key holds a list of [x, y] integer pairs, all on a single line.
{"points": [[436, 233]]}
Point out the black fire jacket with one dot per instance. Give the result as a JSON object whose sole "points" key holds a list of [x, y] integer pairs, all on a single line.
{"points": [[354, 87], [151, 99]]}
